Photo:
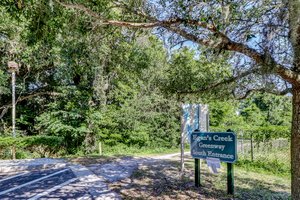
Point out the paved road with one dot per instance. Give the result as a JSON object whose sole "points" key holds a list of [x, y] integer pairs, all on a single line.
{"points": [[58, 183], [66, 181]]}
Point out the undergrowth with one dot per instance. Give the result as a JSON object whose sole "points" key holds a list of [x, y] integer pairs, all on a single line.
{"points": [[275, 162]]}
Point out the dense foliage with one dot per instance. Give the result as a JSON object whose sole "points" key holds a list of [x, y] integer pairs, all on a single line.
{"points": [[262, 117], [39, 146], [85, 83]]}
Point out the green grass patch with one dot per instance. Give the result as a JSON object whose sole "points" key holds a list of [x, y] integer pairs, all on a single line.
{"points": [[250, 183], [138, 151], [273, 162]]}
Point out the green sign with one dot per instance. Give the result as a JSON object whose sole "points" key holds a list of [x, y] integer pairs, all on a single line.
{"points": [[221, 145]]}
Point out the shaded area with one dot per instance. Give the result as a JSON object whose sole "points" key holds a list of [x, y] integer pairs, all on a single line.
{"points": [[4, 175], [13, 182], [160, 179], [38, 187], [70, 191], [257, 189], [89, 160], [115, 171]]}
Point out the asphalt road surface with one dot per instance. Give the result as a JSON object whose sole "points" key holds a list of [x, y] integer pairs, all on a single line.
{"points": [[58, 183]]}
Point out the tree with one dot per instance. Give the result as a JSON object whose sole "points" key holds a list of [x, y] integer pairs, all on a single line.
{"points": [[263, 36], [84, 83], [276, 109], [223, 115]]}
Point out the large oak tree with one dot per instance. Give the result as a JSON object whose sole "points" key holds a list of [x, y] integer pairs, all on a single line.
{"points": [[263, 36]]}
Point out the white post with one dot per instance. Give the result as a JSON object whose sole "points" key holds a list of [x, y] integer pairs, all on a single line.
{"points": [[203, 121], [100, 149], [182, 143], [13, 84], [13, 67], [242, 142]]}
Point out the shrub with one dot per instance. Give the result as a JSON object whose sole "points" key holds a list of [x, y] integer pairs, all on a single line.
{"points": [[44, 146]]}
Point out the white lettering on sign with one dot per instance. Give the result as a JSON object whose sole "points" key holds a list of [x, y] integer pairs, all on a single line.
{"points": [[218, 155], [224, 139], [202, 153], [214, 138], [203, 138], [220, 145], [212, 146]]}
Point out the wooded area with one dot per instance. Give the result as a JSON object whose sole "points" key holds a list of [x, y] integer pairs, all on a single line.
{"points": [[117, 71]]}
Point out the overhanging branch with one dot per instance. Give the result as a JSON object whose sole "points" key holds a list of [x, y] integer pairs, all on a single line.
{"points": [[226, 81], [221, 41], [247, 93]]}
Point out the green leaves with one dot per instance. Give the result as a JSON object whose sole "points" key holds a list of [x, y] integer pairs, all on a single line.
{"points": [[115, 85], [263, 116], [189, 72], [3, 83], [29, 141], [45, 146]]}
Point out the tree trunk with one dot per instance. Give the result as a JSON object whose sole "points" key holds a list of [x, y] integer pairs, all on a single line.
{"points": [[294, 36], [295, 145]]}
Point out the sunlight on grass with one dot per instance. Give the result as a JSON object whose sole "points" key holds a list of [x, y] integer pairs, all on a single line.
{"points": [[276, 161], [248, 184], [136, 151]]}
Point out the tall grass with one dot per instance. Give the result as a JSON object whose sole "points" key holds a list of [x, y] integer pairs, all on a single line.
{"points": [[275, 161]]}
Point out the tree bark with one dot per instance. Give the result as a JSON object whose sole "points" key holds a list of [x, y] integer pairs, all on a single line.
{"points": [[295, 145], [294, 36]]}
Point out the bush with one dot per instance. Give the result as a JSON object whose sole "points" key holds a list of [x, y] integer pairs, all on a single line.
{"points": [[276, 161], [44, 146]]}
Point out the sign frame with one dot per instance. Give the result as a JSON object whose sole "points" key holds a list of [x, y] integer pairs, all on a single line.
{"points": [[214, 143]]}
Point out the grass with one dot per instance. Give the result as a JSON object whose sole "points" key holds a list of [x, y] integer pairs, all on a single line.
{"points": [[88, 160], [161, 179], [267, 177], [136, 151], [276, 161], [113, 153], [249, 184]]}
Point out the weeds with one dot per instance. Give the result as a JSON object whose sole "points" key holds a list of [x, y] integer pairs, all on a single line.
{"points": [[273, 161]]}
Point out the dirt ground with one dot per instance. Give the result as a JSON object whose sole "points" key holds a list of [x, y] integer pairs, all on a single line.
{"points": [[86, 161], [161, 180]]}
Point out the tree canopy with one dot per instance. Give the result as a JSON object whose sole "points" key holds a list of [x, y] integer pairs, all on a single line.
{"points": [[263, 37], [98, 70]]}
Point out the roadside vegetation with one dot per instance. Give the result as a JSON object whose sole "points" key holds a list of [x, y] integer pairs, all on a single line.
{"points": [[161, 180], [120, 89], [80, 85], [276, 161]]}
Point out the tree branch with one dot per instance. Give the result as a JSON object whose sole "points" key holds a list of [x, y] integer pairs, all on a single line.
{"points": [[29, 96], [4, 111], [226, 81], [284, 92], [221, 41], [288, 75]]}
